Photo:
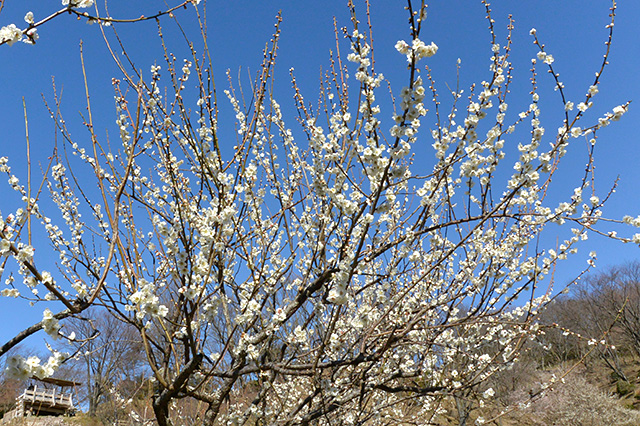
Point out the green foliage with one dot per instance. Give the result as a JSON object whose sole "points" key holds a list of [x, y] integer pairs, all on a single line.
{"points": [[624, 388]]}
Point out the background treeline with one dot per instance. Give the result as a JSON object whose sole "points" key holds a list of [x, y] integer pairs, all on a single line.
{"points": [[587, 350], [599, 319]]}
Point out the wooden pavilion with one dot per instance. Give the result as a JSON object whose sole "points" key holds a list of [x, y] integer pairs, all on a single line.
{"points": [[45, 397]]}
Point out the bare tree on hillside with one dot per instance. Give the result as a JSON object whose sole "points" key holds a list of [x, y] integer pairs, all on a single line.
{"points": [[613, 296], [110, 353]]}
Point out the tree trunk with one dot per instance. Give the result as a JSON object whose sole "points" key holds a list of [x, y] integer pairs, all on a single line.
{"points": [[161, 411]]}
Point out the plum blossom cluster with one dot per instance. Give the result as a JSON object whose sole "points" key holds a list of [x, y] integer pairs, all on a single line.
{"points": [[345, 273], [417, 50], [408, 121], [10, 34], [77, 3], [50, 324], [146, 302], [19, 368]]}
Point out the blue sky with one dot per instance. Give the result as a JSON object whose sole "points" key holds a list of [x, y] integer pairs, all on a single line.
{"points": [[572, 30]]}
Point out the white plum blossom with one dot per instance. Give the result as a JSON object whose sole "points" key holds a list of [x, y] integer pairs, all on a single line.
{"points": [[10, 34], [10, 292], [402, 47], [417, 50], [337, 295], [618, 112], [31, 36], [422, 50], [20, 368], [5, 247], [146, 302], [77, 3], [50, 325], [488, 393], [25, 253]]}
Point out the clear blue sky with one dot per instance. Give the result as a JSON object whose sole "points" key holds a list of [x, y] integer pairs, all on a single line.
{"points": [[573, 31]]}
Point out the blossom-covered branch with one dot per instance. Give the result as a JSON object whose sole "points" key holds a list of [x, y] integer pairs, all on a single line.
{"points": [[12, 33]]}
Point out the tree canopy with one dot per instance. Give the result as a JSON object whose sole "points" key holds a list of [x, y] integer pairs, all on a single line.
{"points": [[309, 265]]}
